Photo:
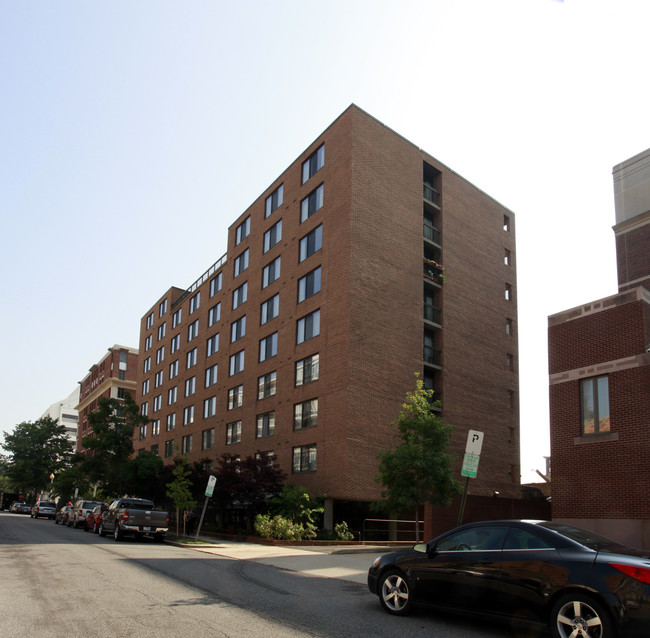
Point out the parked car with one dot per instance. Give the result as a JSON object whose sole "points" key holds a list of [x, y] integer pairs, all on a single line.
{"points": [[575, 581], [20, 508], [62, 515], [44, 509], [80, 510], [94, 518], [134, 516]]}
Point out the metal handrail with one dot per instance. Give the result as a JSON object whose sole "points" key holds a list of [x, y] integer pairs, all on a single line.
{"points": [[389, 528]]}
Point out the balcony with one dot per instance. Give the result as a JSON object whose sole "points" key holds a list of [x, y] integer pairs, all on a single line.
{"points": [[432, 233], [431, 195], [433, 270], [432, 356], [433, 314]]}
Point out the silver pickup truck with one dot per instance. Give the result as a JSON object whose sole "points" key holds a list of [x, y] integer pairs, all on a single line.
{"points": [[136, 517]]}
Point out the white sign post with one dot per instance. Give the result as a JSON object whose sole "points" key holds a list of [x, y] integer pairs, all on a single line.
{"points": [[209, 490], [470, 464]]}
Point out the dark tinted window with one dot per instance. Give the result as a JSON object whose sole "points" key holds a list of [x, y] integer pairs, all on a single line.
{"points": [[523, 539]]}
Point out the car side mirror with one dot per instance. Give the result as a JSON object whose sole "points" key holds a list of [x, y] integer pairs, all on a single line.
{"points": [[421, 547]]}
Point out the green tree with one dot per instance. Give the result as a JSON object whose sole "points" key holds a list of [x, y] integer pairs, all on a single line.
{"points": [[419, 469], [180, 490], [111, 446], [36, 450]]}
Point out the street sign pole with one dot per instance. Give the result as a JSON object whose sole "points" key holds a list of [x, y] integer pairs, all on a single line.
{"points": [[470, 465], [212, 481]]}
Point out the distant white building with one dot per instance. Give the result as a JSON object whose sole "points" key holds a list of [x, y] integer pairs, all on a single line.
{"points": [[65, 413]]}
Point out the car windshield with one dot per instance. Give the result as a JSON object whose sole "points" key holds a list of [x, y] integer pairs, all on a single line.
{"points": [[46, 504], [583, 536]]}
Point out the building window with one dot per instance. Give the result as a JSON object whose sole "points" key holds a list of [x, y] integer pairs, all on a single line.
{"points": [[176, 317], [304, 459], [506, 223], [508, 292], [209, 407], [265, 459], [233, 433], [313, 163], [307, 370], [242, 231], [211, 375], [191, 358], [235, 397], [155, 427], [207, 439], [148, 342], [190, 386], [268, 347], [147, 365], [159, 378], [193, 330], [272, 236], [241, 263], [269, 309], [169, 449], [160, 354], [308, 327], [305, 414], [173, 369], [510, 327], [186, 444], [157, 403], [172, 395], [145, 387], [236, 363], [149, 320], [510, 361], [311, 203], [507, 257], [175, 343], [121, 393], [171, 421], [309, 284], [162, 328], [238, 329], [154, 449], [271, 272], [144, 408], [214, 314], [274, 200], [188, 415], [162, 309], [195, 302], [215, 284], [311, 243], [266, 385], [239, 295], [265, 425], [143, 432], [594, 405], [212, 345]]}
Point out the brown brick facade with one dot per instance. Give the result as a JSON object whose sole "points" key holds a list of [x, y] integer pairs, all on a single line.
{"points": [[370, 341]]}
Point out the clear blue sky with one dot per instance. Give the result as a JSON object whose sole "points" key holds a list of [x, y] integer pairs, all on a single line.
{"points": [[126, 127]]}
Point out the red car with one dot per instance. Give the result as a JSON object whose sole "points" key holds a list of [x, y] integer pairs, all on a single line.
{"points": [[94, 517]]}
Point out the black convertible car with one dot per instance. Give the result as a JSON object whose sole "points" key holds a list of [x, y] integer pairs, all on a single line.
{"points": [[578, 583]]}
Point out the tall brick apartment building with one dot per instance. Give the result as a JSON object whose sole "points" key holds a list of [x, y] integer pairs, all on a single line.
{"points": [[599, 365], [110, 378], [303, 339]]}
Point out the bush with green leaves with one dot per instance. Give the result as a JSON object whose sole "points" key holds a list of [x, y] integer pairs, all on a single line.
{"points": [[280, 528], [342, 532]]}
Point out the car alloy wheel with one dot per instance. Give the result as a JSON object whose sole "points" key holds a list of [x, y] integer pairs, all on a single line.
{"points": [[117, 534], [394, 593], [101, 531], [580, 616]]}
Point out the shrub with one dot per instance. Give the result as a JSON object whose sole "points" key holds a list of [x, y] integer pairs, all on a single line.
{"points": [[281, 528], [342, 532]]}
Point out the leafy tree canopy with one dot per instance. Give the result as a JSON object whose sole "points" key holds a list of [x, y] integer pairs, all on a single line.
{"points": [[111, 446], [36, 450], [419, 469]]}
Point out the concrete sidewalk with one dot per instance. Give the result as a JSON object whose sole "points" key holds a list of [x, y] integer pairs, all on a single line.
{"points": [[349, 562]]}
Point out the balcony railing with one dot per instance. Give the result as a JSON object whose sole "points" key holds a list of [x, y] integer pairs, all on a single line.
{"points": [[433, 314], [432, 234], [433, 270], [431, 194], [432, 356]]}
